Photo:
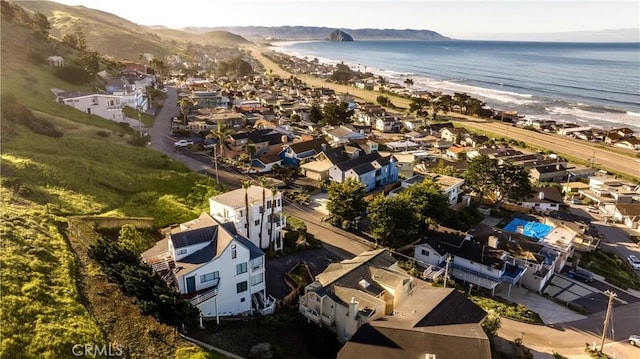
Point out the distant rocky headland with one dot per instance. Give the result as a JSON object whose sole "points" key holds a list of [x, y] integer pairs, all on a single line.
{"points": [[267, 33], [339, 35]]}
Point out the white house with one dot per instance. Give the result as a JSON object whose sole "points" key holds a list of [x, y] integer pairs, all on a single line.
{"points": [[450, 186], [342, 134], [543, 199], [108, 107], [265, 221], [219, 271]]}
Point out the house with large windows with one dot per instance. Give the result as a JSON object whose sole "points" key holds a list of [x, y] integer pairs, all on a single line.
{"points": [[108, 107], [369, 297], [256, 214], [219, 271]]}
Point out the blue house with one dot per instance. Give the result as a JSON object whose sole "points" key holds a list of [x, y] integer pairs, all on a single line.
{"points": [[294, 153]]}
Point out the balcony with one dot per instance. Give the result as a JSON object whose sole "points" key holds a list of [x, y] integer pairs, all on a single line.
{"points": [[512, 274]]}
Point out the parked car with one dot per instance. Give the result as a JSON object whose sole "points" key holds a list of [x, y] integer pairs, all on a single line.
{"points": [[634, 261], [634, 340], [183, 143], [581, 274]]}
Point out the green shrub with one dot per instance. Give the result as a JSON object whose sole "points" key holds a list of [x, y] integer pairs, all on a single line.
{"points": [[73, 74]]}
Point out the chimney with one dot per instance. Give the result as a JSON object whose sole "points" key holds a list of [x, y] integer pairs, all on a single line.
{"points": [[541, 195], [284, 138], [353, 308], [324, 146], [493, 242]]}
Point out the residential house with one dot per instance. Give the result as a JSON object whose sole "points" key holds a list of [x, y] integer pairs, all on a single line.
{"points": [[431, 323], [108, 107], [412, 124], [543, 199], [453, 134], [342, 134], [372, 170], [450, 186], [548, 173], [264, 163], [488, 257], [632, 143], [262, 223], [293, 154], [370, 289], [627, 213], [456, 152], [265, 142], [387, 124], [219, 271]]}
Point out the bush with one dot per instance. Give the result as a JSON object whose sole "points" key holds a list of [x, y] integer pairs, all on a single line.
{"points": [[73, 75]]}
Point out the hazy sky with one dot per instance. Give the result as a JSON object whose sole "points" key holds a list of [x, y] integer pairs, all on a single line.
{"points": [[457, 19]]}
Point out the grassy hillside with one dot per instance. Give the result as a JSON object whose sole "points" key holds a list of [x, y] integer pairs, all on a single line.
{"points": [[113, 35], [85, 167]]}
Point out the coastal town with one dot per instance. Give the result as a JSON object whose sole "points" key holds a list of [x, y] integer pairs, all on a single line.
{"points": [[292, 146], [349, 216]]}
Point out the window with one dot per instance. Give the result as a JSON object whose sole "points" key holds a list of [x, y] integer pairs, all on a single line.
{"points": [[241, 287], [261, 210], [255, 280], [425, 252], [240, 214], [234, 254], [181, 251], [241, 268], [242, 300], [257, 222], [278, 203], [268, 204], [209, 277]]}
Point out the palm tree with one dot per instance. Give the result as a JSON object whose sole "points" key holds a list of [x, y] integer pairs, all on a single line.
{"points": [[184, 104], [246, 184], [263, 184], [274, 191], [221, 132]]}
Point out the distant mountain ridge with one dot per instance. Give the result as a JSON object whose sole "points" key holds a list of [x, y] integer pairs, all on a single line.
{"points": [[267, 33]]}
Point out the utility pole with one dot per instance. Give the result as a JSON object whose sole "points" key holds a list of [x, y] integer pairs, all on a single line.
{"points": [[607, 317], [215, 161], [446, 270]]}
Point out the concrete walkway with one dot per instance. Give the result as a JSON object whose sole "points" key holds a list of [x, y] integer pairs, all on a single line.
{"points": [[549, 311]]}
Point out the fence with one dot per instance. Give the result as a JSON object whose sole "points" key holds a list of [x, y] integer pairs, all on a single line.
{"points": [[294, 285]]}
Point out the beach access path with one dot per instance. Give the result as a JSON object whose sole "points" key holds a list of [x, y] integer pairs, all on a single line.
{"points": [[600, 157]]}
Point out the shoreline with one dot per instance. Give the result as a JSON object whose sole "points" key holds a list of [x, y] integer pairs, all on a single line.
{"points": [[526, 101], [602, 158]]}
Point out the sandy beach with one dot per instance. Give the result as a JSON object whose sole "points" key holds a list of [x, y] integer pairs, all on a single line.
{"points": [[602, 158]]}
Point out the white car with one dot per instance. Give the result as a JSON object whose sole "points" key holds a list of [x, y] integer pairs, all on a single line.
{"points": [[183, 143], [634, 261]]}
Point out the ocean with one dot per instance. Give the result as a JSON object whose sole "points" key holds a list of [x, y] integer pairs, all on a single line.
{"points": [[591, 84]]}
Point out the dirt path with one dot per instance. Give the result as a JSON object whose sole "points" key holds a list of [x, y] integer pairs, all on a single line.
{"points": [[601, 158]]}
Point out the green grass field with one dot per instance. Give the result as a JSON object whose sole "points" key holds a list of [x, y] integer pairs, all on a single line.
{"points": [[91, 169]]}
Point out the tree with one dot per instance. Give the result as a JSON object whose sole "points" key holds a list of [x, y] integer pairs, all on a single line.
{"points": [[346, 202], [427, 201], [512, 182], [384, 101], [443, 169], [501, 181], [90, 62], [185, 104], [41, 25], [461, 99], [336, 114], [419, 105], [131, 239], [437, 105], [315, 113], [479, 175], [220, 133], [284, 173], [246, 184], [491, 323], [393, 220]]}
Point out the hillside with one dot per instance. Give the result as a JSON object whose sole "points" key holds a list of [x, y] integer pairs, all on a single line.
{"points": [[261, 33], [57, 162], [112, 35]]}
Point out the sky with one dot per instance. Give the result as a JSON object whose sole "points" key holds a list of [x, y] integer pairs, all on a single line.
{"points": [[471, 19]]}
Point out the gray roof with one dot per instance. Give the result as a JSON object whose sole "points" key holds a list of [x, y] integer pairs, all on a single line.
{"points": [[194, 236]]}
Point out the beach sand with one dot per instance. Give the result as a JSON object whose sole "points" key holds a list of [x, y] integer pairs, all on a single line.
{"points": [[616, 162]]}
